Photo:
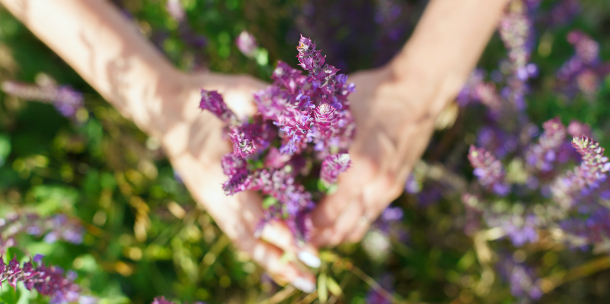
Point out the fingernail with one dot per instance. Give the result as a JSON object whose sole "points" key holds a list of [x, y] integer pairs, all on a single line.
{"points": [[309, 259], [303, 285]]}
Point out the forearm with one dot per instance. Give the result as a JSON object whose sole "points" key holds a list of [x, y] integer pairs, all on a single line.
{"points": [[445, 47], [106, 50]]}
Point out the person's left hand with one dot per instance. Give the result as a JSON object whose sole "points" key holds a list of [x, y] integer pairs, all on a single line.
{"points": [[193, 141]]}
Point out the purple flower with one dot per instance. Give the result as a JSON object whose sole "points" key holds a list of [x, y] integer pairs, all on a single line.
{"points": [[310, 59], [584, 71], [468, 93], [250, 138], [66, 100], [488, 170], [521, 230], [213, 102], [54, 228], [577, 128], [303, 122], [583, 179], [47, 280], [524, 282], [515, 30], [412, 185], [563, 12], [543, 154], [246, 43], [334, 165]]}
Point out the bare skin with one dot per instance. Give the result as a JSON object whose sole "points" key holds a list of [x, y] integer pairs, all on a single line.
{"points": [[394, 108]]}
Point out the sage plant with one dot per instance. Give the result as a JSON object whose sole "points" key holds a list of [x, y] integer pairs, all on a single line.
{"points": [[298, 138]]}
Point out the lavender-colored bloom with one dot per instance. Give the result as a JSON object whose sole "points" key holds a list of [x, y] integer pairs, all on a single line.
{"points": [[590, 226], [65, 99], [488, 170], [515, 30], [543, 154], [310, 59], [47, 280], [54, 228], [584, 71], [375, 297], [246, 43], [392, 214], [231, 164], [412, 185], [521, 230], [275, 159], [496, 140], [334, 165], [250, 138], [564, 12], [213, 102], [430, 195], [583, 179], [487, 94], [468, 93], [308, 115], [524, 282], [577, 128]]}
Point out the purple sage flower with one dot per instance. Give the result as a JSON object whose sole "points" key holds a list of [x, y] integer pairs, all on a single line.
{"points": [[488, 170], [246, 43]]}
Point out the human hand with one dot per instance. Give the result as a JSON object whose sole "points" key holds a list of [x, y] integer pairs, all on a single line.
{"points": [[194, 144], [394, 123]]}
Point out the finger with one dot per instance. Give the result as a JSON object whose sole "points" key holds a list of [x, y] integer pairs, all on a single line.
{"points": [[333, 235], [374, 207], [270, 258], [278, 234], [362, 227], [351, 217], [238, 216], [350, 184]]}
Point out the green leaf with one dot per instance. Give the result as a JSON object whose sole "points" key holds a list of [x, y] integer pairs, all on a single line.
{"points": [[54, 198], [7, 294], [5, 148], [269, 201], [322, 291], [333, 287]]}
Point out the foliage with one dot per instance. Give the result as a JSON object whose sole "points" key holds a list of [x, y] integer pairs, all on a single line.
{"points": [[449, 238]]}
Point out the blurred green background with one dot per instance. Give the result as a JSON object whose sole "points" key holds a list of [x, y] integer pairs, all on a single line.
{"points": [[145, 234]]}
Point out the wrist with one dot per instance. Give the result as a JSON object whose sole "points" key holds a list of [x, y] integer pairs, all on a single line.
{"points": [[429, 88]]}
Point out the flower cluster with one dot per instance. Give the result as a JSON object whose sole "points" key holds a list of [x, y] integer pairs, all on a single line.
{"points": [[584, 71], [543, 154], [488, 170], [66, 100], [246, 43], [585, 178], [308, 117], [49, 281], [53, 228], [522, 278], [532, 184]]}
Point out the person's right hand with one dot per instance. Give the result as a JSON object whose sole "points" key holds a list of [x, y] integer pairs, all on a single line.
{"points": [[195, 147], [394, 121]]}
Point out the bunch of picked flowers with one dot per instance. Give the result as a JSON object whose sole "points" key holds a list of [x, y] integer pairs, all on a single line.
{"points": [[296, 146]]}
